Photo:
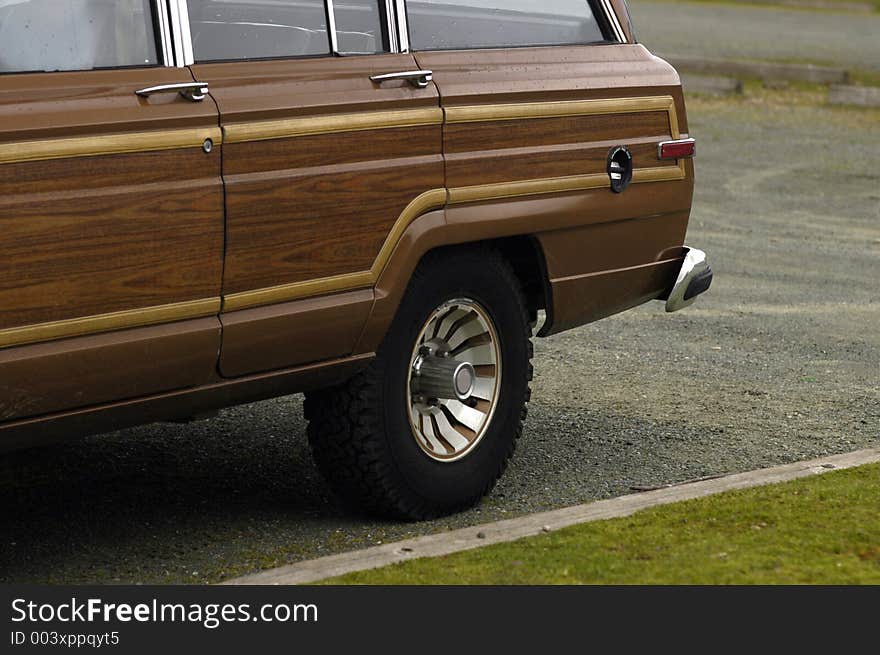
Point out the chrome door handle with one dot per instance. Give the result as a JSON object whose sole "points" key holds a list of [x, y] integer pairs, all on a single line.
{"points": [[193, 91], [419, 79]]}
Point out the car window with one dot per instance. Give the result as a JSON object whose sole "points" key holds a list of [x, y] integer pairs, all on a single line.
{"points": [[462, 24], [64, 35], [270, 29], [257, 29], [360, 26]]}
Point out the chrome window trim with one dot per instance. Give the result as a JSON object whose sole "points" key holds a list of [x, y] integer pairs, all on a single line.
{"points": [[174, 15], [161, 7], [331, 27], [181, 35], [186, 33], [613, 20], [391, 25], [402, 25]]}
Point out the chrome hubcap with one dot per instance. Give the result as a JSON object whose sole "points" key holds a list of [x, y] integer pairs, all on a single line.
{"points": [[454, 380], [436, 376]]}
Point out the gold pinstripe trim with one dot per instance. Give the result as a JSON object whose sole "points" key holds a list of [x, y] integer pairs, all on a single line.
{"points": [[311, 125], [107, 144], [526, 188], [660, 173], [558, 185], [527, 110], [674, 129], [297, 290], [75, 327], [257, 131]]}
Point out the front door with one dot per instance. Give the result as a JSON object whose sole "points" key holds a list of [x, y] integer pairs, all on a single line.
{"points": [[322, 167], [111, 210]]}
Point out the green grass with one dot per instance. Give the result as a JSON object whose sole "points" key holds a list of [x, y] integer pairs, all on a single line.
{"points": [[819, 530], [865, 78]]}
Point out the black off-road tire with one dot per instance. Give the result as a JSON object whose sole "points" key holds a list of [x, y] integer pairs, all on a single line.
{"points": [[359, 431]]}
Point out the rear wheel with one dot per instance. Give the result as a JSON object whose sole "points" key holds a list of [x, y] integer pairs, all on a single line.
{"points": [[429, 426]]}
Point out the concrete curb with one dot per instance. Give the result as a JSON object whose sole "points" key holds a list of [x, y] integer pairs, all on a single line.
{"points": [[861, 96], [512, 529], [759, 69], [711, 85], [831, 6], [860, 7]]}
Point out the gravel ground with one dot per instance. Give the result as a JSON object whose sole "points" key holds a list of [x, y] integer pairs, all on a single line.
{"points": [[778, 362], [749, 32]]}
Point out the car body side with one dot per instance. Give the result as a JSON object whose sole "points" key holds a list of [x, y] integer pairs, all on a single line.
{"points": [[169, 281]]}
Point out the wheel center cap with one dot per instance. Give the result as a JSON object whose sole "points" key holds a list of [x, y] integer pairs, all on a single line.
{"points": [[443, 378], [463, 380]]}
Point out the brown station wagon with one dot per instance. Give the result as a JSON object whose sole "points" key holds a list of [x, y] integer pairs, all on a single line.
{"points": [[211, 202]]}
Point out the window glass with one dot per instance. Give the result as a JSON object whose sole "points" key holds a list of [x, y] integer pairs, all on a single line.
{"points": [[360, 26], [63, 35], [462, 24], [257, 29]]}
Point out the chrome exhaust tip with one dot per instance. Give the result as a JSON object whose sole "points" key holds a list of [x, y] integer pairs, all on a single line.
{"points": [[694, 278]]}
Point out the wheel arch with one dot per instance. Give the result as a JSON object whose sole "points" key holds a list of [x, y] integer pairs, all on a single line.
{"points": [[430, 234], [525, 256]]}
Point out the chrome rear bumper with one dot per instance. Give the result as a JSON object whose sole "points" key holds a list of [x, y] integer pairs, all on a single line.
{"points": [[694, 277]]}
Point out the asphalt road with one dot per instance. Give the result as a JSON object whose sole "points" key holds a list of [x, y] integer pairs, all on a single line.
{"points": [[849, 40], [778, 362]]}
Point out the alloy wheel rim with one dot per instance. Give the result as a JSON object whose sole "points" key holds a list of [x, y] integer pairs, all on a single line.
{"points": [[447, 415]]}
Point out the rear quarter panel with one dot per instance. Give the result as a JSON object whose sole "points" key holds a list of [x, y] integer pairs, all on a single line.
{"points": [[526, 141]]}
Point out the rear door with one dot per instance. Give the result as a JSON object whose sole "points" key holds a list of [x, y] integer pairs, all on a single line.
{"points": [[321, 164], [111, 210]]}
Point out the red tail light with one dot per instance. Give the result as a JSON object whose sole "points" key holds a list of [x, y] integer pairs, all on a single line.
{"points": [[678, 149]]}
